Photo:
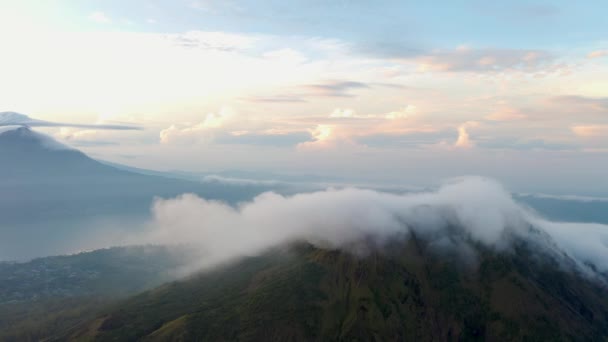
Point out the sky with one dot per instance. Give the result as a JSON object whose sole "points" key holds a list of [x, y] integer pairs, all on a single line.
{"points": [[393, 92]]}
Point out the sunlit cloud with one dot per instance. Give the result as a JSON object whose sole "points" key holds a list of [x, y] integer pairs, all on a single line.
{"points": [[342, 113], [597, 54], [360, 94], [591, 130], [202, 131], [506, 114], [464, 139], [466, 59]]}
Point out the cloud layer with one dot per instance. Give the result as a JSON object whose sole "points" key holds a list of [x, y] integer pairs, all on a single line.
{"points": [[12, 118], [469, 210]]}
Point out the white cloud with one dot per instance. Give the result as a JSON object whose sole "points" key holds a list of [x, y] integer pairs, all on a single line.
{"points": [[199, 132], [404, 113], [463, 211], [67, 133]]}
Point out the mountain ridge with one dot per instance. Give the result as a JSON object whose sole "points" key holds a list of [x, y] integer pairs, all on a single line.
{"points": [[405, 291]]}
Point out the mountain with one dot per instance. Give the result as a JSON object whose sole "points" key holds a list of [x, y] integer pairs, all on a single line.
{"points": [[403, 291], [13, 118], [49, 189]]}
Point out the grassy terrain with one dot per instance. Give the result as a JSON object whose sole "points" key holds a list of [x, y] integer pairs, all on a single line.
{"points": [[404, 292]]}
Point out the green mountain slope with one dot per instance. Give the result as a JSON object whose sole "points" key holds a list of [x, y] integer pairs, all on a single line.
{"points": [[403, 292], [44, 296]]}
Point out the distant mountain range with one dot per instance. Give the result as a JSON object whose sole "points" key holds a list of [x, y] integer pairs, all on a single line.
{"points": [[76, 202], [48, 189]]}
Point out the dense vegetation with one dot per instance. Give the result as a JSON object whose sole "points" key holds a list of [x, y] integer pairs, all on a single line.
{"points": [[404, 292]]}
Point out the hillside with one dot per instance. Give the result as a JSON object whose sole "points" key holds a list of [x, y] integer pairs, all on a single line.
{"points": [[111, 271], [45, 295], [405, 291]]}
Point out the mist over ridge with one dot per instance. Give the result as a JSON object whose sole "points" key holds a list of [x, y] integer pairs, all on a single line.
{"points": [[461, 213]]}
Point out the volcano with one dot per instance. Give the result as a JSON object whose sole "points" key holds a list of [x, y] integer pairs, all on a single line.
{"points": [[402, 292]]}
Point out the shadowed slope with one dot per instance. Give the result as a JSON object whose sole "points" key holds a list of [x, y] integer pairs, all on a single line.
{"points": [[405, 292]]}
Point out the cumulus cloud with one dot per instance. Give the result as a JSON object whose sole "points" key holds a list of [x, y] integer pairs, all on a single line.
{"points": [[404, 113], [342, 113], [323, 136], [464, 211], [202, 131], [464, 140]]}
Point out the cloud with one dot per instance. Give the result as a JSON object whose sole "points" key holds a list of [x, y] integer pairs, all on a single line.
{"points": [[323, 136], [198, 132], [210, 40], [577, 198], [69, 134], [342, 113], [85, 137], [465, 59], [506, 114], [331, 89], [345, 127], [462, 212], [597, 54], [229, 128], [12, 118], [578, 102], [277, 99], [588, 131], [404, 113], [464, 140], [335, 88], [100, 17]]}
